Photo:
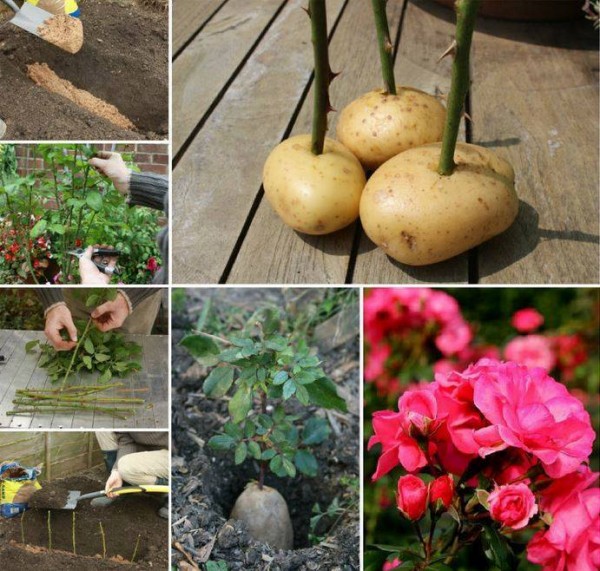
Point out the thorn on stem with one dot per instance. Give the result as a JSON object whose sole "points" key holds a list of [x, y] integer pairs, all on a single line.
{"points": [[333, 75], [307, 10], [450, 50]]}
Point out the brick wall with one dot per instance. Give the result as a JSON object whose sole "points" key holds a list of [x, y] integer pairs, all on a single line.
{"points": [[150, 157]]}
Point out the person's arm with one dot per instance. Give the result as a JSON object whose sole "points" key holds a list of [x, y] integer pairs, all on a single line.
{"points": [[50, 297], [57, 317], [148, 189]]}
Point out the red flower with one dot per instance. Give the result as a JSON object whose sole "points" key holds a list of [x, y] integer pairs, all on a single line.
{"points": [[152, 264], [442, 490], [412, 497], [78, 243]]}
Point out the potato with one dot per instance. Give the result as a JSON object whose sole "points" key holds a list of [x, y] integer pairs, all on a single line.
{"points": [[419, 217], [378, 126], [266, 516], [314, 194]]}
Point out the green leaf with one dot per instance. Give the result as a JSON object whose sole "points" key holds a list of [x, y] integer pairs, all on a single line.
{"points": [[39, 228], [249, 429], [276, 343], [289, 389], [101, 358], [202, 348], [221, 442], [216, 566], [268, 454], [240, 404], [323, 393], [280, 377], [289, 467], [87, 360], [233, 430], [57, 229], [89, 346], [306, 462], [94, 200], [254, 450], [497, 549], [316, 430], [105, 377], [218, 382], [276, 463], [30, 345], [302, 395], [240, 453]]}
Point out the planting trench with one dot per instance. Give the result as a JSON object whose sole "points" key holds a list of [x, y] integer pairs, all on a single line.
{"points": [[122, 522], [123, 62], [206, 484]]}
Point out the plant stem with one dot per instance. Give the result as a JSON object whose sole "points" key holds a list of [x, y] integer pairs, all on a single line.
{"points": [[137, 544], [103, 541], [75, 351], [431, 532], [318, 17], [385, 45], [23, 527], [49, 531], [73, 534], [263, 463], [466, 12], [420, 536]]}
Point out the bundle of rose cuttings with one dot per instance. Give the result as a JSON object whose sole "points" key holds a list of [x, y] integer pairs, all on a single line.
{"points": [[494, 457]]}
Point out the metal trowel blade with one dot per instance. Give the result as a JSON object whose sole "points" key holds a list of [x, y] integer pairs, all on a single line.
{"points": [[72, 499], [30, 18]]}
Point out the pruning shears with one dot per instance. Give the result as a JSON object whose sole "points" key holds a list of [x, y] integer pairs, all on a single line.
{"points": [[105, 269]]}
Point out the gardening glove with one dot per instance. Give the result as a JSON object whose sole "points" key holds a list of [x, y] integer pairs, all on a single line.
{"points": [[58, 6], [57, 319], [113, 166], [114, 481], [90, 274], [111, 314]]}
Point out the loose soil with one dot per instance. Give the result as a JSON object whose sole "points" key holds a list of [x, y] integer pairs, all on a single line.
{"points": [[124, 61], [206, 484], [122, 522]]}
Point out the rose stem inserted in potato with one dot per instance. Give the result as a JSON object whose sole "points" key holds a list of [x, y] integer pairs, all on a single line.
{"points": [[382, 123], [436, 201], [314, 183]]}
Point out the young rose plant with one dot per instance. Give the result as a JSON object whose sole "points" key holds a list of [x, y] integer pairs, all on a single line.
{"points": [[264, 369], [497, 449]]}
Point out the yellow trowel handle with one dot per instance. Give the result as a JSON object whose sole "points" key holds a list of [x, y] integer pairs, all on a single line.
{"points": [[154, 488]]}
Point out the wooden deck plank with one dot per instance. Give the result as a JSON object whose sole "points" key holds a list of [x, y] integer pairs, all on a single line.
{"points": [[424, 37], [274, 253], [218, 178], [188, 16], [535, 100], [21, 371], [205, 66]]}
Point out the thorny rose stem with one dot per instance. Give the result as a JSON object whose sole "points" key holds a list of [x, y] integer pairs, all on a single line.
{"points": [[466, 12], [385, 45], [323, 75]]}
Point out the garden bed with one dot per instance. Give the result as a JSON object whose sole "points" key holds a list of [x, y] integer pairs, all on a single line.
{"points": [[124, 61], [206, 484], [122, 523]]}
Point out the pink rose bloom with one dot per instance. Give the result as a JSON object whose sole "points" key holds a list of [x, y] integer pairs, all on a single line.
{"points": [[510, 465], [412, 497], [527, 320], [376, 358], [441, 307], [442, 490], [572, 543], [531, 351], [390, 565], [454, 337], [394, 431], [561, 490], [512, 505], [529, 410]]}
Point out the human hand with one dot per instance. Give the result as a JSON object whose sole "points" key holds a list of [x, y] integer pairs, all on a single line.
{"points": [[111, 314], [57, 319], [90, 274], [113, 166], [114, 481]]}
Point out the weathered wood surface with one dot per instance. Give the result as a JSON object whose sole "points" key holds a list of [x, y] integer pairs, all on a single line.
{"points": [[21, 371], [534, 100], [189, 16]]}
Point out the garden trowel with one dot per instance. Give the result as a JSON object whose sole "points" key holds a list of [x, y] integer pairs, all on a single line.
{"points": [[29, 17], [74, 496]]}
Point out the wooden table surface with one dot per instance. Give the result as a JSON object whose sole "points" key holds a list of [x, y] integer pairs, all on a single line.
{"points": [[242, 80], [21, 371]]}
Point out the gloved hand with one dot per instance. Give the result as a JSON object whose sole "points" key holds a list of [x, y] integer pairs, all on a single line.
{"points": [[69, 7]]}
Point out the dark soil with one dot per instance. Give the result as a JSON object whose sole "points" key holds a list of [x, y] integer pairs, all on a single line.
{"points": [[206, 484], [122, 522], [124, 60]]}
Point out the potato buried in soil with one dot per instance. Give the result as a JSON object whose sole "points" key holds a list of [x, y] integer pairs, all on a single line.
{"points": [[419, 217], [314, 194], [377, 126], [266, 516]]}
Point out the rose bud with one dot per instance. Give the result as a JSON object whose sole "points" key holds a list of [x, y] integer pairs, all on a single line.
{"points": [[512, 505], [441, 492], [412, 497]]}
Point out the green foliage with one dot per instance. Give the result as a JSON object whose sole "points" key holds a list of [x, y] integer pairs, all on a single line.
{"points": [[20, 309], [260, 364], [216, 566]]}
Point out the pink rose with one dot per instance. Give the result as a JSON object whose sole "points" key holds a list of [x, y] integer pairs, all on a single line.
{"points": [[390, 565], [562, 489], [527, 320], [376, 358], [441, 490], [531, 351], [572, 543], [412, 497], [454, 337], [512, 505], [529, 410]]}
